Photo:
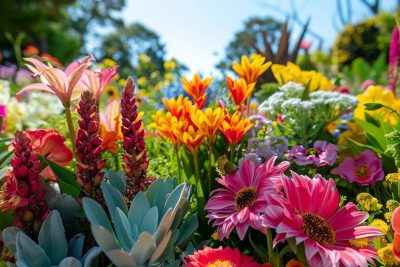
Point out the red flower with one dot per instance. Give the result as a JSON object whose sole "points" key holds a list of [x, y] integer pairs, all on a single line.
{"points": [[50, 144], [220, 257]]}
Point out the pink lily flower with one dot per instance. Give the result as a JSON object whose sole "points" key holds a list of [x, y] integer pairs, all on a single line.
{"points": [[64, 84], [96, 81]]}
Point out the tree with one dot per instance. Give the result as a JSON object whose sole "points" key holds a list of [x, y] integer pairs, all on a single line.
{"points": [[128, 42]]}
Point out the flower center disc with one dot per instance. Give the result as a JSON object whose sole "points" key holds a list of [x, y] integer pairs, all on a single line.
{"points": [[312, 152], [245, 197], [318, 229], [219, 263], [361, 171]]}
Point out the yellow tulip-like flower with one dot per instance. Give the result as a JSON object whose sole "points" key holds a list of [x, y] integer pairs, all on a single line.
{"points": [[179, 107], [190, 137], [239, 89], [197, 87], [209, 121], [355, 132], [251, 71], [165, 123], [292, 73], [234, 127], [378, 94]]}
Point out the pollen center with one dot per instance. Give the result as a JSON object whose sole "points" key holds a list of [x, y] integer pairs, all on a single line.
{"points": [[245, 197], [318, 229], [312, 152], [219, 263], [361, 171]]}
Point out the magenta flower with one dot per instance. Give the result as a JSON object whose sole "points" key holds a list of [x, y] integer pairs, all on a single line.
{"points": [[62, 83], [394, 58], [307, 212], [3, 114], [366, 169], [96, 81], [241, 201], [321, 154]]}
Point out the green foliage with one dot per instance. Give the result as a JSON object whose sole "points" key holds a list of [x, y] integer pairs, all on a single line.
{"points": [[393, 149], [147, 233], [367, 39], [52, 248]]}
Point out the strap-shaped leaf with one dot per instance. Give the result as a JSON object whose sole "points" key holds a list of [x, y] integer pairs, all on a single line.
{"points": [[114, 200], [143, 248], [139, 207], [70, 262], [121, 258], [52, 238], [104, 238], [123, 229], [150, 221], [75, 246], [90, 259], [10, 238]]}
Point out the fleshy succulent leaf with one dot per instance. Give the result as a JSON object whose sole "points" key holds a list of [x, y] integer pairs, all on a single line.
{"points": [[123, 229], [29, 253], [174, 197], [95, 213], [104, 238], [150, 221], [10, 238], [90, 259], [156, 194], [164, 226], [160, 248], [186, 230], [143, 248], [121, 258], [75, 246], [52, 238], [70, 262], [139, 207], [114, 199], [116, 179]]}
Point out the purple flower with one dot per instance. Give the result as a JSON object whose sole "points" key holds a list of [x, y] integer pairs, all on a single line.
{"points": [[321, 154], [279, 144], [7, 72], [366, 169], [23, 77]]}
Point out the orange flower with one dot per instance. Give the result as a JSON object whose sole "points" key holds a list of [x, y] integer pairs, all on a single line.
{"points": [[165, 123], [250, 71], [31, 50], [294, 263], [235, 127], [197, 87], [179, 107], [240, 90], [190, 137], [111, 126], [209, 121], [201, 101], [50, 144]]}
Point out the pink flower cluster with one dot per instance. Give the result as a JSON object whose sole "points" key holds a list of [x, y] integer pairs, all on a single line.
{"points": [[321, 154]]}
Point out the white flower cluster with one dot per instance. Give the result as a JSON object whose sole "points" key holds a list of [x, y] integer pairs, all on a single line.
{"points": [[4, 92]]}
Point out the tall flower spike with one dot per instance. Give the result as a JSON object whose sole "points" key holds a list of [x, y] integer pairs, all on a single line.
{"points": [[88, 147], [22, 189], [135, 158]]}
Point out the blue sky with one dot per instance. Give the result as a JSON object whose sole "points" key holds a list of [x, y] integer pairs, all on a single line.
{"points": [[196, 32]]}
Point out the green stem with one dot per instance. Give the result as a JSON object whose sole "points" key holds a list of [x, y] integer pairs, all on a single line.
{"points": [[116, 159], [178, 161], [71, 128], [269, 244], [232, 151], [209, 167], [196, 172]]}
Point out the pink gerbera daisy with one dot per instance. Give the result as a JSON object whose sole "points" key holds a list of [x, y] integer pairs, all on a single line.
{"points": [[241, 201], [220, 257], [308, 212]]}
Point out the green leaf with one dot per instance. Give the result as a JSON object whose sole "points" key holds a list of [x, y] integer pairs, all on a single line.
{"points": [[121, 258], [75, 246], [372, 106], [6, 140], [375, 131], [29, 253], [65, 178], [143, 248], [116, 179], [114, 200], [156, 193], [139, 207], [358, 147], [70, 262], [5, 158], [52, 238], [104, 238], [90, 259], [10, 238], [95, 213], [123, 229], [174, 197], [150, 221], [188, 227]]}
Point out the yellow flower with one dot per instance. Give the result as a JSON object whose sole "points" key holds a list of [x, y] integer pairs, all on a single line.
{"points": [[209, 121], [141, 81], [392, 204], [250, 71], [170, 64], [380, 225], [386, 255], [190, 137], [393, 178], [165, 123], [109, 62], [378, 94], [367, 202], [355, 133], [179, 107], [111, 91], [359, 243]]}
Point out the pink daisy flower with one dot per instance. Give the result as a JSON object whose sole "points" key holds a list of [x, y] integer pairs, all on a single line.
{"points": [[241, 201], [308, 212], [321, 154], [220, 257], [366, 169]]}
